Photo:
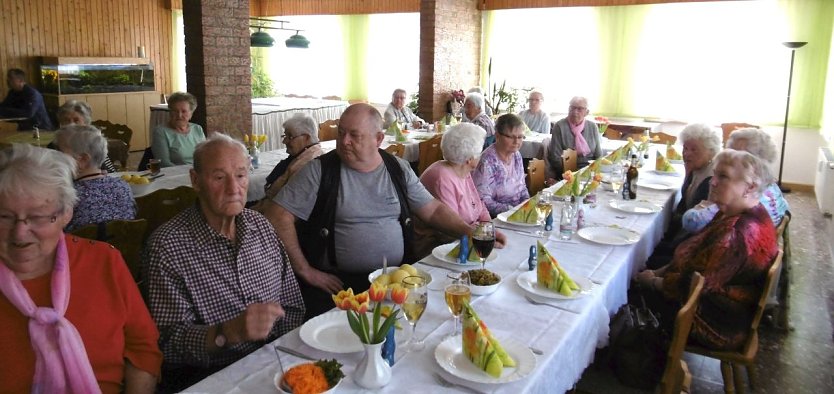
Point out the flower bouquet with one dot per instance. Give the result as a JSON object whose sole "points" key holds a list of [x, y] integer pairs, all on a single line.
{"points": [[253, 142], [356, 306], [602, 123], [580, 183]]}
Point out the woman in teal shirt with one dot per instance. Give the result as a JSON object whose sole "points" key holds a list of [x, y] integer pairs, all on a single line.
{"points": [[174, 143]]}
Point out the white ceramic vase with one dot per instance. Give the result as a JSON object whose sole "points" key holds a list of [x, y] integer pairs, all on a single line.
{"points": [[373, 371]]}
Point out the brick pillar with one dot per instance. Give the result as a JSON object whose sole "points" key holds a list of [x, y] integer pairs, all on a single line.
{"points": [[217, 64], [450, 52]]}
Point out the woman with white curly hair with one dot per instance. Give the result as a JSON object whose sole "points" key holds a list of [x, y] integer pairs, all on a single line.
{"points": [[450, 181], [473, 107], [759, 144]]}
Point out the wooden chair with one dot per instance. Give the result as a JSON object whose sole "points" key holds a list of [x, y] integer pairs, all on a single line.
{"points": [[535, 176], [663, 138], [728, 128], [115, 133], [332, 98], [125, 235], [674, 377], [731, 361], [429, 153], [162, 205], [612, 134], [329, 130], [778, 305], [118, 151], [568, 160], [396, 150]]}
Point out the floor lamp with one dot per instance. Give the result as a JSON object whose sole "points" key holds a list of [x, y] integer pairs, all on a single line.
{"points": [[793, 45]]}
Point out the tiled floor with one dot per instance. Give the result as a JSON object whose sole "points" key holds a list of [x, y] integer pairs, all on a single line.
{"points": [[799, 361]]}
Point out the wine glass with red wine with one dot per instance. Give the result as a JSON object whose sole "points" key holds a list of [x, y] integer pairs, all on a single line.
{"points": [[483, 240]]}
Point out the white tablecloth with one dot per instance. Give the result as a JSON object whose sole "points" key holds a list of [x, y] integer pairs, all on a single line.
{"points": [[568, 339], [269, 114]]}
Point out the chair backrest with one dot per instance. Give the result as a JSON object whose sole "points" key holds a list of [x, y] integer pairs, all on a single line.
{"points": [[329, 130], [673, 376], [125, 235], [568, 160], [777, 296], [430, 152], [115, 131], [117, 151], [332, 98], [663, 137], [770, 282], [727, 128], [396, 150], [162, 205], [612, 134], [535, 176]]}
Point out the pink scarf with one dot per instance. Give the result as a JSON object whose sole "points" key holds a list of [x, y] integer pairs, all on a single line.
{"points": [[61, 363], [582, 147]]}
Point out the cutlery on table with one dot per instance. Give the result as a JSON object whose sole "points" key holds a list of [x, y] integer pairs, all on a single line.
{"points": [[535, 302], [294, 353], [282, 383], [446, 383], [535, 350]]}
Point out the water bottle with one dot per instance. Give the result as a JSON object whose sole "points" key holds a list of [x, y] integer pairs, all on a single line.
{"points": [[566, 222]]}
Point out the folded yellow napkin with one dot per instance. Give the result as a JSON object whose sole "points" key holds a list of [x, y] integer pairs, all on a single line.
{"points": [[671, 153], [393, 129], [621, 153], [481, 347], [551, 275], [455, 252], [526, 213], [661, 164]]}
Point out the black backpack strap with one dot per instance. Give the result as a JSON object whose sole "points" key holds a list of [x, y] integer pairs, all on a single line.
{"points": [[316, 235], [397, 175]]}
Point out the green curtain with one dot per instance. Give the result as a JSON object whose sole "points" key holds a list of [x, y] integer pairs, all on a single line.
{"points": [[355, 37], [619, 30], [486, 54]]}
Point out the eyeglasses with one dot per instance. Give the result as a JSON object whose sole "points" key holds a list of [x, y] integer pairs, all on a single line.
{"points": [[9, 221], [512, 137], [575, 108], [288, 137]]}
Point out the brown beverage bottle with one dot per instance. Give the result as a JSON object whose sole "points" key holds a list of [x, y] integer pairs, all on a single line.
{"points": [[631, 180]]}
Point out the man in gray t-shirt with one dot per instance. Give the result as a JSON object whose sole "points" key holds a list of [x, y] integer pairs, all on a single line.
{"points": [[367, 209]]}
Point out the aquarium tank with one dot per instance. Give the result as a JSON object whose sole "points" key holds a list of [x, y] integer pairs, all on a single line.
{"points": [[96, 75]]}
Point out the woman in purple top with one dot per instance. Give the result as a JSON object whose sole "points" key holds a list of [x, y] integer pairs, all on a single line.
{"points": [[100, 198], [500, 174], [450, 181]]}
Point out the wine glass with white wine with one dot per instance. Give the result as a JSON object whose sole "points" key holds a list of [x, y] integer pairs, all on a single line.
{"points": [[457, 291], [413, 308]]}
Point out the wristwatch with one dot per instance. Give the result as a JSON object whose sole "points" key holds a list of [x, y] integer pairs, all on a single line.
{"points": [[219, 338]]}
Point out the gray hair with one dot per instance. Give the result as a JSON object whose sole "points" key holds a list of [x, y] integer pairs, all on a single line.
{"points": [[704, 133], [758, 143], [83, 139], [532, 92], [475, 89], [397, 91], [302, 123], [475, 98], [77, 106], [31, 171], [462, 142], [208, 143], [183, 96], [754, 170]]}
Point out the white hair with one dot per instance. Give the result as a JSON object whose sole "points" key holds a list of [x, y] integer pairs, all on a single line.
{"points": [[704, 133], [215, 139], [31, 171], [753, 169], [477, 99], [758, 143], [462, 142], [83, 139], [303, 124]]}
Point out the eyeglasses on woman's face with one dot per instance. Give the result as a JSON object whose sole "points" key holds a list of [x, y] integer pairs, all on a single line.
{"points": [[8, 221], [513, 137]]}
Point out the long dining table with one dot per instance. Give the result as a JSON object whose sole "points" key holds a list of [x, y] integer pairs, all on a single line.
{"points": [[568, 333]]}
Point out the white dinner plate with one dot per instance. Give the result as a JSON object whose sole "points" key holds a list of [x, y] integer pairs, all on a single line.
{"points": [[607, 235], [665, 173], [330, 332], [504, 217], [657, 184], [441, 253], [635, 206], [450, 357], [528, 282]]}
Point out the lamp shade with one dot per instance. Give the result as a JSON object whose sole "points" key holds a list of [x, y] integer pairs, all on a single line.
{"points": [[297, 41], [261, 39]]}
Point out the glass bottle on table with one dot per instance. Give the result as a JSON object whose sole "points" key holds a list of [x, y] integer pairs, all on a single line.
{"points": [[566, 224], [630, 183], [544, 209], [457, 291]]}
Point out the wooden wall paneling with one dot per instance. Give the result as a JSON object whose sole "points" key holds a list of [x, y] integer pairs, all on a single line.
{"points": [[510, 4], [98, 104], [135, 119], [116, 108], [330, 7]]}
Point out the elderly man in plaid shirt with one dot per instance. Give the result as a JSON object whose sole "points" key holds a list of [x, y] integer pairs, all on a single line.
{"points": [[219, 281]]}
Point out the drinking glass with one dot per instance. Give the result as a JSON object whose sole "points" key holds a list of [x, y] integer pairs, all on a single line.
{"points": [[543, 208], [413, 308], [154, 166], [483, 239], [457, 291], [616, 179]]}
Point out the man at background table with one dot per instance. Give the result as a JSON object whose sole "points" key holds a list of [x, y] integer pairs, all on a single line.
{"points": [[398, 112], [219, 281], [23, 101], [367, 212]]}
